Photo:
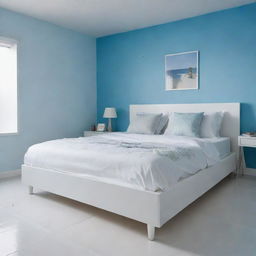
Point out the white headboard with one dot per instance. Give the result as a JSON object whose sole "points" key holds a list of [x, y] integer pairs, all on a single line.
{"points": [[231, 121]]}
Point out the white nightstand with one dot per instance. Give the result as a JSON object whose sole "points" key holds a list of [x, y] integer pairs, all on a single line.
{"points": [[244, 141], [93, 133]]}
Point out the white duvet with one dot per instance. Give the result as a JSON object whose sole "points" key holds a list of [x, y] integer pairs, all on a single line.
{"points": [[147, 162]]}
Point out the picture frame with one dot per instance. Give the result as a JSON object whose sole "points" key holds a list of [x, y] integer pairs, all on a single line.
{"points": [[182, 71], [101, 127]]}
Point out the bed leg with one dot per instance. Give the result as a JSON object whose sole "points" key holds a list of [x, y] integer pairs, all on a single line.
{"points": [[151, 232], [30, 190]]}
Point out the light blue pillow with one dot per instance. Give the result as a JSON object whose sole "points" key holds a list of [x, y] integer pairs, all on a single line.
{"points": [[184, 124]]}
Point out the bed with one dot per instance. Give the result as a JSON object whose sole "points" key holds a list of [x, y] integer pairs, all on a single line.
{"points": [[154, 198]]}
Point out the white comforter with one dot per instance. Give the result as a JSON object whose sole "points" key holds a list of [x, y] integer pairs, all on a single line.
{"points": [[147, 162]]}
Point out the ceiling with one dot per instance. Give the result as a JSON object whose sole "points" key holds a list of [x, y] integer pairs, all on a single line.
{"points": [[104, 17]]}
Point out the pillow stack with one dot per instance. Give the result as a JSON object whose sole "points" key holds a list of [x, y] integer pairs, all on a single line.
{"points": [[204, 125]]}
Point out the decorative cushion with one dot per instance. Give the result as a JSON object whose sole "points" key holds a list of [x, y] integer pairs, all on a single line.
{"points": [[162, 124], [211, 124], [184, 124], [144, 123]]}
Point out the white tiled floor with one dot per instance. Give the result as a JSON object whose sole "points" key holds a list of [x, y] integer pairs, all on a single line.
{"points": [[222, 222]]}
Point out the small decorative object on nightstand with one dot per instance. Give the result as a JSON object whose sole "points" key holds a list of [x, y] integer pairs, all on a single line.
{"points": [[101, 127], [110, 113], [245, 140]]}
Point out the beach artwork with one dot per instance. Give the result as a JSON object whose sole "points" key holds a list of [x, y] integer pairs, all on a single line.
{"points": [[181, 71]]}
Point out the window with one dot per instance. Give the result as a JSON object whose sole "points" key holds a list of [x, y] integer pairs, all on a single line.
{"points": [[8, 86]]}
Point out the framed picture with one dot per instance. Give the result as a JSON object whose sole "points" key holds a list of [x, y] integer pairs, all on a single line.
{"points": [[101, 127], [181, 71]]}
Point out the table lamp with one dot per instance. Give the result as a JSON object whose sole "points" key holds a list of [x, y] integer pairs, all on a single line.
{"points": [[110, 113]]}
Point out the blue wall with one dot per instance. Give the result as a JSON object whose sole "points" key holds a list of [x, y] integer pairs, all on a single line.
{"points": [[56, 82], [130, 66]]}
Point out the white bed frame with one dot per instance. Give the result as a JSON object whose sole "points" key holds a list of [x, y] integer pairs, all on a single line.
{"points": [[151, 208]]}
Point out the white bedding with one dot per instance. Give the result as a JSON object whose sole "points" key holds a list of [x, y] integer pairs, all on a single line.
{"points": [[215, 148], [147, 162]]}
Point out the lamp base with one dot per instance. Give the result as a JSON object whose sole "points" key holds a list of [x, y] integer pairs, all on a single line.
{"points": [[109, 125]]}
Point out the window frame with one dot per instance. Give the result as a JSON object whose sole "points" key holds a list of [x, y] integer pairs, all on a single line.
{"points": [[10, 41]]}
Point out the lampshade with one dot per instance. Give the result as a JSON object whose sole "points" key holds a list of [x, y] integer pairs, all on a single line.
{"points": [[110, 113]]}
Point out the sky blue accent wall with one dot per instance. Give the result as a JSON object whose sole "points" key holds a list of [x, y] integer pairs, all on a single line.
{"points": [[130, 66], [56, 82]]}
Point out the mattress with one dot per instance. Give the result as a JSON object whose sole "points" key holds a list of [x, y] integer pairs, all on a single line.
{"points": [[146, 162]]}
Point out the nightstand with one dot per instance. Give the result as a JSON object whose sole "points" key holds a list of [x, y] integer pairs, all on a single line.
{"points": [[93, 133], [244, 141]]}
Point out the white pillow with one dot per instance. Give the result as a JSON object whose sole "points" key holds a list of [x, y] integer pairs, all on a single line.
{"points": [[211, 124], [144, 123]]}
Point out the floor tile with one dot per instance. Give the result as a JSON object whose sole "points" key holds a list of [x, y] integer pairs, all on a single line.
{"points": [[16, 234]]}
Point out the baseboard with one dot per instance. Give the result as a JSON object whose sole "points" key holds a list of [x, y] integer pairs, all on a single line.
{"points": [[9, 174], [250, 171]]}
